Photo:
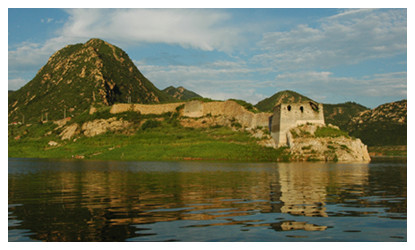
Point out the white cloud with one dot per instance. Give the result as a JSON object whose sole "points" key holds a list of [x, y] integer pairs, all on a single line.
{"points": [[235, 79], [16, 83], [321, 76], [350, 12], [326, 87], [28, 56], [219, 80], [350, 37], [191, 28], [217, 70], [47, 20]]}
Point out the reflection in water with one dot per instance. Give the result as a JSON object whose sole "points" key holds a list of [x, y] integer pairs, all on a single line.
{"points": [[116, 201], [296, 225], [304, 188]]}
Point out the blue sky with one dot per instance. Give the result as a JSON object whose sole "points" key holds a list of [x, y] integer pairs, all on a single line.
{"points": [[329, 55]]}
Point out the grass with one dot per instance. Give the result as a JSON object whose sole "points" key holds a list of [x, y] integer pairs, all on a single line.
{"points": [[330, 132], [163, 141], [390, 150]]}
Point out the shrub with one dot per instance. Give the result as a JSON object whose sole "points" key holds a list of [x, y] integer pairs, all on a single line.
{"points": [[149, 124], [202, 99], [236, 124], [131, 116], [178, 108], [294, 133]]}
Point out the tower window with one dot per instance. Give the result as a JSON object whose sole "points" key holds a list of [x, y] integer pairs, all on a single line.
{"points": [[289, 107], [314, 106], [302, 109]]}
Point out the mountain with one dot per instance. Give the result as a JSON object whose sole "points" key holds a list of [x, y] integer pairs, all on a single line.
{"points": [[180, 93], [341, 114], [286, 96], [384, 125], [78, 76]]}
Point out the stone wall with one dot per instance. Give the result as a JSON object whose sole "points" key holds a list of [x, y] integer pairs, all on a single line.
{"points": [[230, 109], [145, 109], [196, 109]]}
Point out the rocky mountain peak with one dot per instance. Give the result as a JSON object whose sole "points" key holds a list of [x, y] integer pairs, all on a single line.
{"points": [[81, 75]]}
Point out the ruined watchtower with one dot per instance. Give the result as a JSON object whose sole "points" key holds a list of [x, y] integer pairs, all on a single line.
{"points": [[289, 115]]}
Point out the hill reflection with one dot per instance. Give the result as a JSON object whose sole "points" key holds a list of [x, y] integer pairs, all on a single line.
{"points": [[110, 201]]}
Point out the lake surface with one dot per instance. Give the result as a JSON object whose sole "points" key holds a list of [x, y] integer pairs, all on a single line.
{"points": [[58, 200]]}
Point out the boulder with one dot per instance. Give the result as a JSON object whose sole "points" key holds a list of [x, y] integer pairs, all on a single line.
{"points": [[52, 143], [69, 131]]}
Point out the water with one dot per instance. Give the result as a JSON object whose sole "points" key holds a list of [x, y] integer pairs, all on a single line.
{"points": [[53, 200]]}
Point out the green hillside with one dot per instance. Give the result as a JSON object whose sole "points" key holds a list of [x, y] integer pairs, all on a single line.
{"points": [[384, 125], [341, 114], [78, 76], [286, 96], [180, 93]]}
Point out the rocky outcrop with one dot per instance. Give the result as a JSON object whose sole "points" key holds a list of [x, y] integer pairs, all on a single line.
{"points": [[95, 127], [62, 122], [101, 126], [69, 132], [305, 145], [52, 143]]}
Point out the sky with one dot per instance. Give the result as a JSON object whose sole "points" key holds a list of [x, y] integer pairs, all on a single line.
{"points": [[329, 55]]}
